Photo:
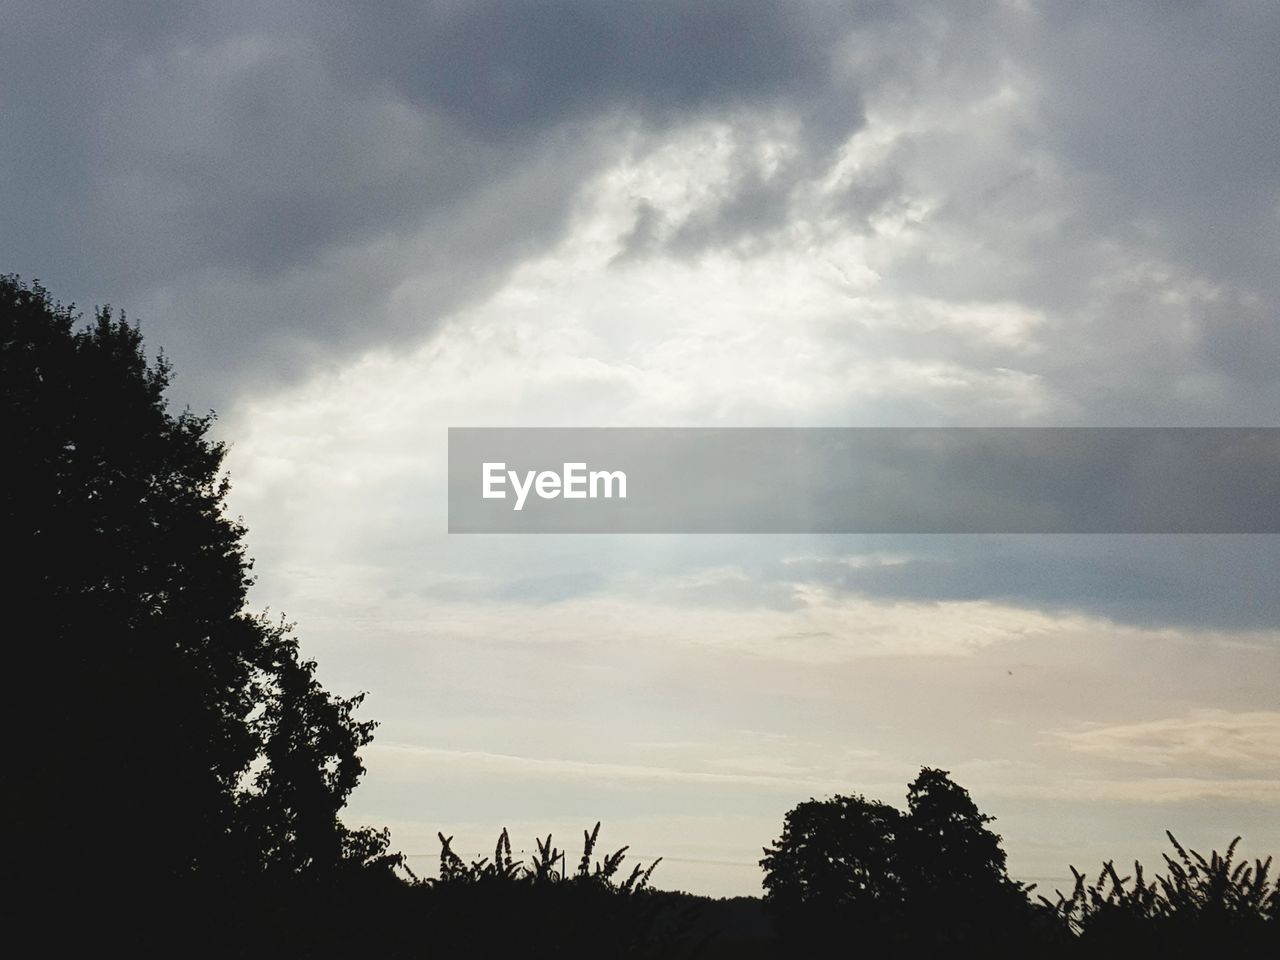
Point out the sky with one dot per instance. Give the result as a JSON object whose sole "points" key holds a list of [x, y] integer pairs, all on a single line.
{"points": [[353, 226]]}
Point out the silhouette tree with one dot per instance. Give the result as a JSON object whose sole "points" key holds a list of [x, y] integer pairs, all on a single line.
{"points": [[854, 871], [947, 840], [165, 745], [834, 872], [957, 884]]}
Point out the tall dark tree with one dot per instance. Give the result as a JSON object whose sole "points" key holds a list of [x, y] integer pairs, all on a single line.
{"points": [[165, 745], [953, 868], [948, 834]]}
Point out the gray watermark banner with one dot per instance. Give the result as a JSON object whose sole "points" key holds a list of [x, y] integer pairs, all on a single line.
{"points": [[865, 480]]}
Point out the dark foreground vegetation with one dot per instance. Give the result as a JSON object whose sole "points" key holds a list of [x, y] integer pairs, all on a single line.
{"points": [[175, 773]]}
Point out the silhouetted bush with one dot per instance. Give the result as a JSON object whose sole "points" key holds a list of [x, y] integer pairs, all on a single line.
{"points": [[589, 911], [1199, 907]]}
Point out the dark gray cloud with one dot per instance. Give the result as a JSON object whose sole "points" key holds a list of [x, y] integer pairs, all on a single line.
{"points": [[502, 70], [219, 176], [1153, 136], [260, 178], [1131, 195], [1171, 107], [1204, 582], [1224, 583]]}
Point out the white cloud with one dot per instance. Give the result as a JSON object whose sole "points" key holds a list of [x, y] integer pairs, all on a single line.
{"points": [[1244, 741], [980, 238]]}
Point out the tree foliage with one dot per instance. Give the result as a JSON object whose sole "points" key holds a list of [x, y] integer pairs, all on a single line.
{"points": [[852, 875], [163, 735], [854, 870], [835, 864]]}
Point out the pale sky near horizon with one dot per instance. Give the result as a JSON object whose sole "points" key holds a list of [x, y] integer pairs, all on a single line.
{"points": [[352, 227]]}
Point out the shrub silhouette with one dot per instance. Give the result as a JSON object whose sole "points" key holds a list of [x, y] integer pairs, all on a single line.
{"points": [[1200, 906], [584, 912]]}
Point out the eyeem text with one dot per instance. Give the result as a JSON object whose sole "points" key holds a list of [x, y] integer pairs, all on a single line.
{"points": [[574, 482]]}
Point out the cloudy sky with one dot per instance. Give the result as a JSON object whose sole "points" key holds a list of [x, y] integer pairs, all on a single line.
{"points": [[352, 226]]}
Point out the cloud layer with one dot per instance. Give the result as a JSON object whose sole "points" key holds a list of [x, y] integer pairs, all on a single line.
{"points": [[1007, 190], [352, 226]]}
